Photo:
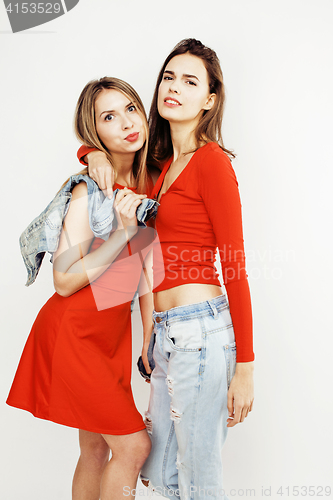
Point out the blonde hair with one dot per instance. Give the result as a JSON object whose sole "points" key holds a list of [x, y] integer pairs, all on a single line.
{"points": [[85, 124]]}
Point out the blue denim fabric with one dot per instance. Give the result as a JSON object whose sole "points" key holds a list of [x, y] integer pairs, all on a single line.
{"points": [[195, 360], [43, 233]]}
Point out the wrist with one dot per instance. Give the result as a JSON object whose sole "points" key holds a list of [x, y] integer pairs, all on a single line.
{"points": [[130, 231], [245, 368]]}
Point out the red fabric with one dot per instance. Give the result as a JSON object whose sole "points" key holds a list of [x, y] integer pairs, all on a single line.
{"points": [[201, 211], [76, 365], [83, 151]]}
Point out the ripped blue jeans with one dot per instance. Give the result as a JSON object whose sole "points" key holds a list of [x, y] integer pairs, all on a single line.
{"points": [[195, 360]]}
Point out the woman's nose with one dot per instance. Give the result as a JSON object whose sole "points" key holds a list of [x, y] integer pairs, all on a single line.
{"points": [[127, 123], [174, 87]]}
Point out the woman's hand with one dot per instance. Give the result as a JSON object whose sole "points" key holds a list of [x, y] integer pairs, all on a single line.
{"points": [[101, 171], [145, 361], [125, 205], [240, 394]]}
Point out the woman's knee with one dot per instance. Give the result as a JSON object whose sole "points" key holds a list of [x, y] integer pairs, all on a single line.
{"points": [[94, 448], [145, 445], [138, 452], [133, 450], [146, 448]]}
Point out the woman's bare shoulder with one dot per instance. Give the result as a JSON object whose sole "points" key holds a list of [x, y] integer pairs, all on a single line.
{"points": [[79, 190]]}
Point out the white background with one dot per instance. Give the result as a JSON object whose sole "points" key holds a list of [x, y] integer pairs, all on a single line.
{"points": [[277, 63]]}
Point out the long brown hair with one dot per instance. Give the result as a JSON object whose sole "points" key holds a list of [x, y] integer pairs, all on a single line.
{"points": [[85, 124], [209, 127]]}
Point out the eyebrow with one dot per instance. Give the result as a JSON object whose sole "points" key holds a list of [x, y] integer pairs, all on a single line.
{"points": [[113, 111], [185, 75], [110, 111]]}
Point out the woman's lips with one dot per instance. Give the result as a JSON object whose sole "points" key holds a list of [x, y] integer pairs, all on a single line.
{"points": [[171, 103], [132, 137]]}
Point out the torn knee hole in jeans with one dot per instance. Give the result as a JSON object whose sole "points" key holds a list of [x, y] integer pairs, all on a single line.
{"points": [[178, 462], [175, 415], [169, 383], [148, 423]]}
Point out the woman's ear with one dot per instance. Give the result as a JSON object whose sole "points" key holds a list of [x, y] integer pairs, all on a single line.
{"points": [[210, 102]]}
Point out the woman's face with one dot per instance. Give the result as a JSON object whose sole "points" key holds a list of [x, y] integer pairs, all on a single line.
{"points": [[183, 93], [119, 125]]}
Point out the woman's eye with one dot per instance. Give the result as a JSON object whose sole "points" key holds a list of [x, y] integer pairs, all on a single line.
{"points": [[131, 108], [167, 77], [191, 83], [108, 118]]}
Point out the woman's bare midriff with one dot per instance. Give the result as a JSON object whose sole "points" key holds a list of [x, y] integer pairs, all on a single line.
{"points": [[184, 295]]}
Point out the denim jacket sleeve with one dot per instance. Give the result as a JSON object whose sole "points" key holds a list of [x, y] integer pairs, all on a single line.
{"points": [[43, 233]]}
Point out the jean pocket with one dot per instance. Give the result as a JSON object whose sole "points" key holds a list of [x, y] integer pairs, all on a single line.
{"points": [[185, 335], [230, 360]]}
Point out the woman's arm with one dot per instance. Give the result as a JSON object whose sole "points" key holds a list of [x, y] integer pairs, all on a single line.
{"points": [[146, 306], [82, 153], [73, 267], [219, 190], [101, 170], [218, 187]]}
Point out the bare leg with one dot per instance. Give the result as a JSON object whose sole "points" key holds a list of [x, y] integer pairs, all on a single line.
{"points": [[129, 453], [89, 470]]}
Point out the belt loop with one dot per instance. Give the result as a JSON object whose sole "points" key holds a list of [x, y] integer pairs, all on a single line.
{"points": [[213, 308]]}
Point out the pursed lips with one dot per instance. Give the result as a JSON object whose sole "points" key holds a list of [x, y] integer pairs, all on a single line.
{"points": [[132, 137]]}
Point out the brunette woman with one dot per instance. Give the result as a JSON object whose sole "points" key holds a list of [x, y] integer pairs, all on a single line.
{"points": [[198, 387], [76, 365]]}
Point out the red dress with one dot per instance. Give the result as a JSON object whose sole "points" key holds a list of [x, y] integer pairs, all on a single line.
{"points": [[75, 368]]}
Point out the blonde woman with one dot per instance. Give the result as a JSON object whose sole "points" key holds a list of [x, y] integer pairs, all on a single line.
{"points": [[75, 369]]}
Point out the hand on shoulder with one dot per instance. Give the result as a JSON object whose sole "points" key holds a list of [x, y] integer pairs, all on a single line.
{"points": [[101, 171]]}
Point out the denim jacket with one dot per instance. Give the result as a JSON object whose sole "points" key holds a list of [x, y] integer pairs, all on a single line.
{"points": [[43, 233]]}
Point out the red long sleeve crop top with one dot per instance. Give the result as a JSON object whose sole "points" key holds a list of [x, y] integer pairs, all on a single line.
{"points": [[200, 211]]}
